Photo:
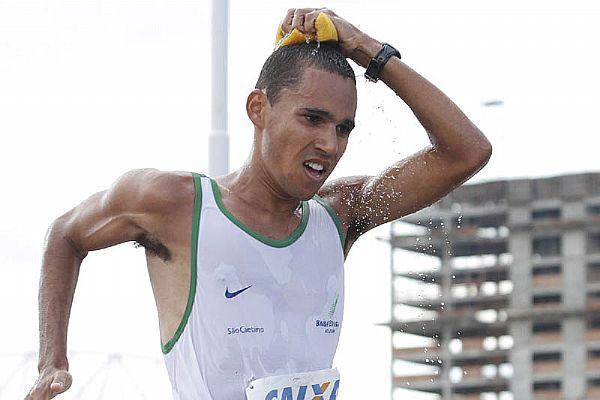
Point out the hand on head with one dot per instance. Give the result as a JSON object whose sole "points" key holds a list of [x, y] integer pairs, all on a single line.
{"points": [[303, 19]]}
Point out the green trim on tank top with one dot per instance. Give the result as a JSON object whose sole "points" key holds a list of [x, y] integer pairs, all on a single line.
{"points": [[268, 241], [194, 250], [333, 216]]}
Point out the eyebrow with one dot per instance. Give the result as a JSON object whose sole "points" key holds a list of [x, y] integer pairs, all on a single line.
{"points": [[326, 114]]}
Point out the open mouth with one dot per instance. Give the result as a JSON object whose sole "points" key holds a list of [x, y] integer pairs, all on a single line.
{"points": [[314, 169]]}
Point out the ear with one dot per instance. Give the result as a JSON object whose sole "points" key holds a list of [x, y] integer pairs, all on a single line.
{"points": [[256, 107]]}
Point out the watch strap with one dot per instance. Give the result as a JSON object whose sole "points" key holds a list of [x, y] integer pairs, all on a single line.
{"points": [[376, 64]]}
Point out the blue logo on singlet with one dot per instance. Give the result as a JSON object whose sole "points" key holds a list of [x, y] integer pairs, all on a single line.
{"points": [[231, 295]]}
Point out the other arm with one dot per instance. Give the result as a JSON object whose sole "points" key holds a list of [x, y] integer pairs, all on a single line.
{"points": [[122, 213]]}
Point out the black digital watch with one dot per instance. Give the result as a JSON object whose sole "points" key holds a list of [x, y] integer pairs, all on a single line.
{"points": [[376, 64]]}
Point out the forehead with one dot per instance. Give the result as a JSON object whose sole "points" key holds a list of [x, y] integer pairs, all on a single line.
{"points": [[323, 89]]}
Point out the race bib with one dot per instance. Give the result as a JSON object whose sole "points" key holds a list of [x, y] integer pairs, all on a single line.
{"points": [[315, 385]]}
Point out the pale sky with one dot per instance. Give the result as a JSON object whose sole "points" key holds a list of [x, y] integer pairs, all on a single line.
{"points": [[92, 89]]}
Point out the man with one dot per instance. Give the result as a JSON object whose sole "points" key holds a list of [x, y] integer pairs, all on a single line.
{"points": [[246, 268]]}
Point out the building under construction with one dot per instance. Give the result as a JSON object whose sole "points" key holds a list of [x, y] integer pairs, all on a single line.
{"points": [[510, 306]]}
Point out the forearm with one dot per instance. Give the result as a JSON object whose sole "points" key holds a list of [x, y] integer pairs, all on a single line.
{"points": [[58, 279], [449, 129]]}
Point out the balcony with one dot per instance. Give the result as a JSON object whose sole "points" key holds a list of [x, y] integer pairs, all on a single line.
{"points": [[593, 365], [471, 372], [547, 337], [592, 334], [547, 395], [593, 302], [474, 343], [416, 353], [593, 392], [424, 382], [547, 281], [547, 367], [402, 380], [474, 396]]}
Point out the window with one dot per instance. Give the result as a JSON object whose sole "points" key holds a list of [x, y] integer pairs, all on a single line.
{"points": [[482, 221], [546, 213], [547, 270], [545, 299], [548, 246], [593, 209], [594, 354], [545, 357], [548, 385], [595, 296], [593, 324], [594, 382], [593, 245], [546, 327], [593, 272]]}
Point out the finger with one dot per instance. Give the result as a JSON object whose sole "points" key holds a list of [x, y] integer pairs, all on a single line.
{"points": [[328, 11], [287, 21], [298, 19], [309, 22]]}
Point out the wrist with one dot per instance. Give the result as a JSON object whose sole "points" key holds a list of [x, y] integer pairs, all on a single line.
{"points": [[365, 50]]}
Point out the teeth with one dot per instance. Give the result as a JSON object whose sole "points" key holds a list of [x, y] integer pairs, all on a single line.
{"points": [[314, 165]]}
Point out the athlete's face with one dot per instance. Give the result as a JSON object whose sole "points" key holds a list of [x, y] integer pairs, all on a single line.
{"points": [[306, 131]]}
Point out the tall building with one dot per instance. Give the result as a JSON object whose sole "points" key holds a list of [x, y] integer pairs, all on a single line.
{"points": [[506, 304]]}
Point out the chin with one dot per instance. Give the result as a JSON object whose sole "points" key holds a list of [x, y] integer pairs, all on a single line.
{"points": [[310, 195], [303, 193]]}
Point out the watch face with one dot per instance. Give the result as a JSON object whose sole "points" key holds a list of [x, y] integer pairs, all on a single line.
{"points": [[370, 78], [372, 72], [376, 64]]}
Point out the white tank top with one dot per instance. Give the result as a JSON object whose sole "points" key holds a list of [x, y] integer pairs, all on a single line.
{"points": [[257, 307]]}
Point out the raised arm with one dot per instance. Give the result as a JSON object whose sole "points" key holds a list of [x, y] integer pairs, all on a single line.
{"points": [[458, 148], [125, 212]]}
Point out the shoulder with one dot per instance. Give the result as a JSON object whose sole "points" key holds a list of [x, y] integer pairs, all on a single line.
{"points": [[152, 190], [341, 195]]}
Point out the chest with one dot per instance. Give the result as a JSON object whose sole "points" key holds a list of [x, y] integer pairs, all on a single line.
{"points": [[241, 275]]}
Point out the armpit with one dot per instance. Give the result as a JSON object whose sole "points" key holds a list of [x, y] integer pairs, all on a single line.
{"points": [[153, 246]]}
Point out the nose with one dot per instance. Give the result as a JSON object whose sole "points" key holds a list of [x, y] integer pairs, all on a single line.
{"points": [[327, 142]]}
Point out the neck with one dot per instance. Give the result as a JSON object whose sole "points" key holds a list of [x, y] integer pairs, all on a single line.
{"points": [[255, 186]]}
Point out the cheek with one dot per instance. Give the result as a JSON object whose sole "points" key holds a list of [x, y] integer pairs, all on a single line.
{"points": [[342, 148], [280, 148]]}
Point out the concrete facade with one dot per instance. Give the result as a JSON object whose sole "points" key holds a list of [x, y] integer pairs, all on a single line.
{"points": [[511, 309]]}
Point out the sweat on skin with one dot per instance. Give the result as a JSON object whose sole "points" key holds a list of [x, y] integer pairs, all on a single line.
{"points": [[306, 128]]}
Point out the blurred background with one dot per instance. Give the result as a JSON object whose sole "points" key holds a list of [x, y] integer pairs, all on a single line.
{"points": [[489, 294]]}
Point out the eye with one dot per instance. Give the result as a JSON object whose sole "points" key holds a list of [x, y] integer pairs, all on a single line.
{"points": [[315, 119], [344, 130]]}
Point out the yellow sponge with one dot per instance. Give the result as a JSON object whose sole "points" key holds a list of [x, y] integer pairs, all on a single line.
{"points": [[325, 32]]}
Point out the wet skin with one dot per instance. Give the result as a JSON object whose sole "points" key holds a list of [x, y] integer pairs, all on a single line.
{"points": [[309, 122]]}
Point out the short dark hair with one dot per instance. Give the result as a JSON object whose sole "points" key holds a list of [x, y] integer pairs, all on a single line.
{"points": [[285, 66]]}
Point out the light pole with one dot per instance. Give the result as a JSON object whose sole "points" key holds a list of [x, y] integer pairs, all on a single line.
{"points": [[218, 141]]}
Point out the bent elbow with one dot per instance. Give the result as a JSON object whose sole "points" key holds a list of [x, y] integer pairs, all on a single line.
{"points": [[480, 153], [60, 230], [485, 152]]}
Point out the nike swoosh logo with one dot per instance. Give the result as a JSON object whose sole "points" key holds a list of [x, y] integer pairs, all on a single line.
{"points": [[231, 295]]}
